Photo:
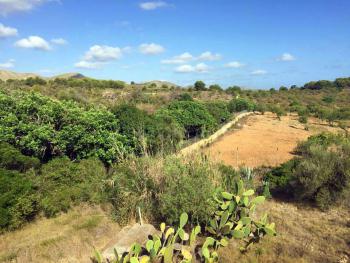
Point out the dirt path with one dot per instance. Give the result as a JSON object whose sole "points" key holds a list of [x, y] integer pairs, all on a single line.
{"points": [[198, 145], [263, 140]]}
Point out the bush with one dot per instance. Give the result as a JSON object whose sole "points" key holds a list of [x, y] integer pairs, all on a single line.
{"points": [[148, 133], [219, 111], [17, 200], [162, 188], [46, 128], [134, 186], [62, 183], [186, 187], [164, 135], [185, 97], [12, 159], [240, 104], [192, 116], [321, 172]]}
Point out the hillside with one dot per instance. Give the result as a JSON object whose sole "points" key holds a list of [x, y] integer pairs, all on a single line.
{"points": [[159, 83], [72, 75], [5, 75]]}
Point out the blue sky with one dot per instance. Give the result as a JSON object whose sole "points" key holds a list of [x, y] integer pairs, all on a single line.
{"points": [[251, 43]]}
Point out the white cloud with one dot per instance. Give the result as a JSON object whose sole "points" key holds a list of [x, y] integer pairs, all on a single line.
{"points": [[259, 72], [88, 65], [186, 57], [286, 57], [153, 5], [34, 42], [13, 6], [8, 64], [202, 68], [180, 59], [151, 49], [234, 64], [199, 68], [59, 41], [7, 31], [185, 69], [98, 55], [208, 56]]}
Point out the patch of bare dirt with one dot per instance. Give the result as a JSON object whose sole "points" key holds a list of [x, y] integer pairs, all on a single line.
{"points": [[263, 140]]}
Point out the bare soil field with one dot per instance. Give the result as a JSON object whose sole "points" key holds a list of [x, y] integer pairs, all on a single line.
{"points": [[263, 140]]}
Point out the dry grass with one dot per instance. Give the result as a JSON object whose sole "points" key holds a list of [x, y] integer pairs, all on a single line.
{"points": [[70, 237], [304, 235], [263, 140]]}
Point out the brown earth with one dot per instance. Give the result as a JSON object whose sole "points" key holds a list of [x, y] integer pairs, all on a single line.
{"points": [[263, 140]]}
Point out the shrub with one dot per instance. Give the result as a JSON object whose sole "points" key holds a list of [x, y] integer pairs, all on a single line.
{"points": [[132, 123], [12, 159], [162, 188], [219, 111], [185, 97], [62, 183], [192, 116], [240, 104], [133, 186], [46, 128], [186, 187], [17, 200], [164, 134], [321, 172]]}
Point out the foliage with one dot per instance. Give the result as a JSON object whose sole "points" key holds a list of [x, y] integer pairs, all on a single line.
{"points": [[234, 90], [240, 104], [185, 97], [219, 111], [163, 189], [62, 183], [186, 187], [12, 159], [133, 186], [278, 110], [199, 85], [17, 199], [172, 245], [230, 220], [321, 172], [88, 83], [215, 87], [46, 128], [163, 134], [232, 217], [192, 116]]}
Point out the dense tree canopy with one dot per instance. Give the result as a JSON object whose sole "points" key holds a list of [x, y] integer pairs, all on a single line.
{"points": [[45, 128]]}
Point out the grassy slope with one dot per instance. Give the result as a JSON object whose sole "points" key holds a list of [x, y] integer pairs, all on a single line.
{"points": [[70, 237], [305, 234]]}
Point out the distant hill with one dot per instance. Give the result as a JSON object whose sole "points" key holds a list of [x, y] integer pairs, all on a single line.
{"points": [[5, 75], [73, 75], [160, 83]]}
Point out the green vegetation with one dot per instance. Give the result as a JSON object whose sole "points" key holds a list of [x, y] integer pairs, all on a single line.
{"points": [[321, 172], [231, 219], [68, 141], [192, 116], [46, 128]]}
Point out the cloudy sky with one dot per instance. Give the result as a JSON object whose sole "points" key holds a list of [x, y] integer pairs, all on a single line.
{"points": [[252, 43]]}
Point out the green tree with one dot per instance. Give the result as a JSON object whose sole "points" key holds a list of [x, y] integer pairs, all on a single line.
{"points": [[199, 85], [215, 87], [192, 116]]}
